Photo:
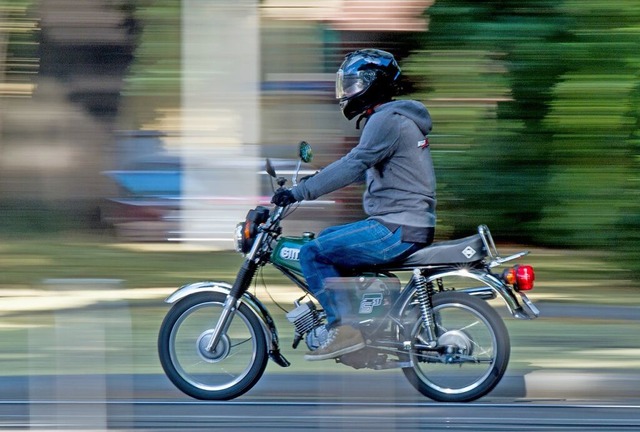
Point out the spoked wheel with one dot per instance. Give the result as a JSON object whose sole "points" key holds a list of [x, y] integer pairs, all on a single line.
{"points": [[232, 368], [472, 352]]}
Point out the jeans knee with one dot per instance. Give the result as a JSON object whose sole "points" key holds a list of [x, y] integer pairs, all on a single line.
{"points": [[308, 254]]}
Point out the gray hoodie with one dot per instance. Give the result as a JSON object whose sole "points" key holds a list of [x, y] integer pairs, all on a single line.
{"points": [[394, 154]]}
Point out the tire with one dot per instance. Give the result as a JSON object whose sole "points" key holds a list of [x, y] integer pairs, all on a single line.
{"points": [[476, 333], [232, 369]]}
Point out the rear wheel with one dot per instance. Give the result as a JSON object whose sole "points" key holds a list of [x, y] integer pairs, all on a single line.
{"points": [[472, 353], [232, 368]]}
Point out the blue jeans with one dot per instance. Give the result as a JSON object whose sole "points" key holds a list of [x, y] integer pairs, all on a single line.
{"points": [[362, 243]]}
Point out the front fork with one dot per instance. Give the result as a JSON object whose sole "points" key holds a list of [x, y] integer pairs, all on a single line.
{"points": [[424, 292], [242, 282]]}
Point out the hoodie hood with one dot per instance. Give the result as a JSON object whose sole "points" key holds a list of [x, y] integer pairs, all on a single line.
{"points": [[413, 110]]}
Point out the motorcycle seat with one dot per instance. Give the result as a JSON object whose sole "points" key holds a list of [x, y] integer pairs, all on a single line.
{"points": [[460, 251]]}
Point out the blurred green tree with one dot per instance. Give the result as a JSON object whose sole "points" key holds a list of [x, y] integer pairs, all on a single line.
{"points": [[595, 115], [536, 114], [19, 32], [497, 62], [154, 83]]}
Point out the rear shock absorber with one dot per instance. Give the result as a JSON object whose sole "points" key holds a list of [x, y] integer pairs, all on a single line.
{"points": [[424, 292]]}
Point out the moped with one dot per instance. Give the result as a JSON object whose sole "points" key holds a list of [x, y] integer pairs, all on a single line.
{"points": [[437, 326]]}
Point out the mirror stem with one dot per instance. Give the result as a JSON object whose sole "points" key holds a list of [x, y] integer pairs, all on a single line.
{"points": [[294, 180]]}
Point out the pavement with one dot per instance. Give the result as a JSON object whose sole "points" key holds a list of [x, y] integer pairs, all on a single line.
{"points": [[340, 384]]}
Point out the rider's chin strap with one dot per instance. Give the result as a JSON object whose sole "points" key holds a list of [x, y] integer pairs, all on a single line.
{"points": [[365, 115]]}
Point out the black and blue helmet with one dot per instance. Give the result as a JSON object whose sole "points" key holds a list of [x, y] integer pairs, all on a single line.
{"points": [[365, 79]]}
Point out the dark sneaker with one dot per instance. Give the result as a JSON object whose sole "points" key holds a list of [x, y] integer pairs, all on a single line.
{"points": [[341, 340]]}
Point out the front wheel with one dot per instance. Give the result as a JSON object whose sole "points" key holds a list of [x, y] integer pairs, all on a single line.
{"points": [[472, 353], [231, 368]]}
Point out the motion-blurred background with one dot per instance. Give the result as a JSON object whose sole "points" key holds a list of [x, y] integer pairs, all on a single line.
{"points": [[133, 135], [150, 120]]}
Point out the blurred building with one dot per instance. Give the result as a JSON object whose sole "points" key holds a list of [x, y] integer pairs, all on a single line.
{"points": [[256, 78], [58, 114]]}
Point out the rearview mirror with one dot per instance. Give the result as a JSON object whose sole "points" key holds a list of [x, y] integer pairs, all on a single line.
{"points": [[306, 154], [270, 169]]}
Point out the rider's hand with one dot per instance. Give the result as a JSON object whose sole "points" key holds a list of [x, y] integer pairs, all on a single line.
{"points": [[283, 198]]}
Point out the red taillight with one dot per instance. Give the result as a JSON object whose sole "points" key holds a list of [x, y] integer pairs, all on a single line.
{"points": [[525, 277], [520, 276]]}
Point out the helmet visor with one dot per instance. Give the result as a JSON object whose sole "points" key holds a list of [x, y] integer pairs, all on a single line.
{"points": [[349, 85]]}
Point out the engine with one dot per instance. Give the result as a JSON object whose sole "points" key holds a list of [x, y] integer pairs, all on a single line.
{"points": [[308, 321]]}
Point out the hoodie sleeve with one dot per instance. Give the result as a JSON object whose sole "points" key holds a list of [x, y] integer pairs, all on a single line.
{"points": [[377, 142]]}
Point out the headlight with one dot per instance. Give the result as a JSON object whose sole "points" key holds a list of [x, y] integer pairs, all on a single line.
{"points": [[238, 237], [245, 233]]}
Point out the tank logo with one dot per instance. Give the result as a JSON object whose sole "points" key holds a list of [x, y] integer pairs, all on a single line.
{"points": [[290, 253], [369, 301], [468, 252]]}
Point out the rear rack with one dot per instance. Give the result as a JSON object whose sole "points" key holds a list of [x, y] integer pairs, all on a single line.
{"points": [[492, 250]]}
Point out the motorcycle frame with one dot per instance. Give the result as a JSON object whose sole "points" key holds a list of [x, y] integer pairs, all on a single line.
{"points": [[237, 292], [493, 288]]}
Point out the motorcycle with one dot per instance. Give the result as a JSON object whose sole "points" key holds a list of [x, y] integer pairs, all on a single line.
{"points": [[437, 326]]}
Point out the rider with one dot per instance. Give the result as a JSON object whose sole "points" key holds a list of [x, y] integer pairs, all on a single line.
{"points": [[399, 199]]}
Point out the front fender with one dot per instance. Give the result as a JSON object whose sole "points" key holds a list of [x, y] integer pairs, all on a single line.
{"points": [[197, 287], [255, 306]]}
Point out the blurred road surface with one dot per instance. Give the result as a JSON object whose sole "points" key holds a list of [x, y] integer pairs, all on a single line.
{"points": [[332, 398], [298, 402]]}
